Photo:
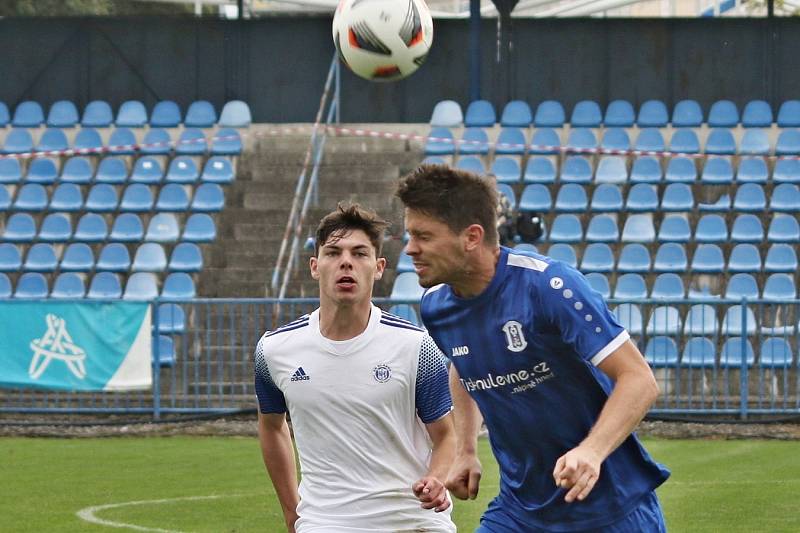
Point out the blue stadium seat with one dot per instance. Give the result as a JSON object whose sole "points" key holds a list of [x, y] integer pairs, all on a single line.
{"points": [[446, 114], [186, 257], [684, 141], [717, 171], [549, 114], [754, 142], [20, 227], [708, 259], [581, 139], [68, 285], [18, 141], [539, 170], [163, 227], [619, 114], [563, 252], [218, 169], [10, 171], [615, 139], [775, 353], [630, 287], [699, 352], [105, 286], [208, 197], [740, 286], [481, 114], [639, 228], [757, 114], [687, 114], [136, 198], [744, 258], [122, 142], [664, 320], [5, 198], [5, 118], [440, 142], [733, 355], [226, 141], [536, 198], [173, 197], [235, 114], [131, 114], [178, 286], [650, 140], [112, 170], [602, 228], [141, 286], [653, 114], [474, 141], [606, 198], [31, 197], [88, 141], [31, 285], [53, 139], [634, 258], [545, 141], [646, 169], [779, 287], [747, 228], [165, 354], [723, 114], [511, 141], [785, 197], [670, 257], [599, 283], [611, 169], [586, 114], [62, 114], [783, 228], [171, 318], [473, 164], [166, 114], [102, 198], [752, 170], [786, 171], [750, 197], [597, 257], [78, 170], [405, 311], [780, 258], [642, 197], [28, 114], [526, 248], [97, 114], [571, 198], [677, 197], [681, 170], [661, 352], [78, 257], [406, 287], [42, 170], [149, 257], [127, 228], [789, 114], [711, 228], [182, 169], [576, 169], [199, 228], [788, 143], [720, 141], [10, 257], [668, 286], [157, 141], [114, 257], [506, 169], [201, 114], [91, 228], [566, 228], [629, 317], [516, 114], [56, 227], [147, 170]]}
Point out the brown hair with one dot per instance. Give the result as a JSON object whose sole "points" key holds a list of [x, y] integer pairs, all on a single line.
{"points": [[346, 218], [456, 197]]}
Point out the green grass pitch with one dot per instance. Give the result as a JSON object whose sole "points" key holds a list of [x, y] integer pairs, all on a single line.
{"points": [[218, 484]]}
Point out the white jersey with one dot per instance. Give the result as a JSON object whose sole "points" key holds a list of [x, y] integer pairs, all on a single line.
{"points": [[358, 409]]}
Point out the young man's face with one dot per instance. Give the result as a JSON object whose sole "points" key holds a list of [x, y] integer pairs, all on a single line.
{"points": [[437, 252], [346, 267]]}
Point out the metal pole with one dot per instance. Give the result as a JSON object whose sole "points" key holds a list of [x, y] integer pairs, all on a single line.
{"points": [[474, 50], [743, 378], [156, 363]]}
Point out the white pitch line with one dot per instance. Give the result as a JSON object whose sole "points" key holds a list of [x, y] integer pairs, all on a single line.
{"points": [[88, 513]]}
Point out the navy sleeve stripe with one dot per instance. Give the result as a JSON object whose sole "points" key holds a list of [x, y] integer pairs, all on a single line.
{"points": [[397, 319], [401, 326], [285, 329]]}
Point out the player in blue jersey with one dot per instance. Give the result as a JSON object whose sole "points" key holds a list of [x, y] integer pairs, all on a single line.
{"points": [[537, 355]]}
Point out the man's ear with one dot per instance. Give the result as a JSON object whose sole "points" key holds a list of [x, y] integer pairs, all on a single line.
{"points": [[380, 266], [312, 263], [473, 236]]}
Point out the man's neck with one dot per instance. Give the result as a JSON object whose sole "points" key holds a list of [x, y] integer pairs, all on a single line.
{"points": [[343, 322], [478, 272]]}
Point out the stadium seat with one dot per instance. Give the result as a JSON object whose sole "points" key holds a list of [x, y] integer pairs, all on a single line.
{"points": [[597, 257], [779, 287], [235, 114], [446, 114], [642, 197], [747, 228], [52, 140], [539, 170], [535, 198], [20, 227], [670, 257], [611, 169], [102, 198], [775, 353], [687, 114], [630, 287], [56, 227], [757, 114], [619, 114], [474, 141], [752, 170], [226, 141], [199, 228], [740, 286], [141, 286], [516, 114], [720, 141], [649, 140], [68, 285], [754, 142], [28, 114], [711, 228], [178, 286], [511, 141], [440, 142], [18, 141], [717, 171], [473, 164], [744, 258], [77, 170], [5, 198], [785, 197], [106, 286], [166, 114], [661, 352], [10, 257], [406, 287], [157, 141], [668, 286], [31, 285], [147, 170], [5, 286], [602, 228], [31, 197], [201, 114], [62, 114], [481, 114], [788, 143], [639, 228], [182, 169], [10, 171], [149, 257], [684, 141], [634, 258], [163, 227], [406, 312], [164, 355], [122, 142], [581, 139], [78, 257], [137, 198], [708, 259], [88, 141], [549, 114], [786, 171], [789, 114], [783, 228], [699, 352], [750, 197], [652, 114], [586, 114], [721, 204], [681, 170], [42, 170], [571, 198], [545, 141], [599, 283], [171, 318], [677, 197], [606, 198], [615, 139], [112, 170], [173, 197], [131, 114], [629, 317], [526, 248], [186, 257], [566, 228], [723, 114], [736, 352], [563, 252], [664, 320], [208, 197], [218, 169], [733, 323], [576, 169], [781, 258], [5, 118], [506, 169], [701, 320], [646, 169], [97, 114], [114, 257], [67, 197], [127, 228], [91, 228]]}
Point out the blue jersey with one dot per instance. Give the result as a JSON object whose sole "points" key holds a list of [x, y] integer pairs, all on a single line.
{"points": [[526, 350]]}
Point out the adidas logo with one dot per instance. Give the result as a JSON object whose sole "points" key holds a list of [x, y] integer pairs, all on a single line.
{"points": [[300, 375]]}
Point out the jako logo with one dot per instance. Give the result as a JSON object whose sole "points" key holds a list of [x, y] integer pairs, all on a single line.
{"points": [[300, 375], [458, 351]]}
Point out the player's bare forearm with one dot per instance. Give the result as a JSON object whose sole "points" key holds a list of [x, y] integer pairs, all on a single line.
{"points": [[430, 490], [278, 454], [467, 416]]}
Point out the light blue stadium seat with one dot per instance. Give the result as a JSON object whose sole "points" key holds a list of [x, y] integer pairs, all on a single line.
{"points": [[516, 114], [10, 257], [788, 143], [757, 114], [165, 355], [642, 197], [634, 258], [235, 114], [779, 287], [646, 169], [545, 141], [474, 141], [581, 139], [780, 258], [606, 198], [597, 257], [750, 197], [701, 320], [639, 228], [723, 114], [166, 114], [56, 227], [747, 228], [563, 252], [536, 198], [18, 141], [178, 286], [88, 141], [653, 114], [114, 257], [97, 114], [172, 197], [406, 312], [78, 170], [687, 114], [783, 228], [10, 171], [102, 198], [31, 285], [201, 114], [720, 141], [650, 140], [717, 171], [668, 286], [473, 164], [733, 355], [576, 169], [5, 198], [105, 285], [506, 190], [566, 228], [28, 114], [163, 227], [147, 170], [602, 228], [157, 141], [586, 114], [615, 139], [684, 141], [481, 114], [406, 287], [440, 142], [526, 248], [664, 320], [218, 169], [744, 258], [62, 114], [599, 283], [752, 170], [78, 257], [433, 160], [708, 259], [112, 170], [122, 142], [506, 169], [661, 352], [141, 286], [742, 285], [5, 118], [53, 139], [136, 198], [786, 171], [446, 114], [721, 204], [171, 318], [31, 197], [127, 228], [186, 257], [611, 169], [754, 142], [677, 197], [539, 170], [20, 227], [549, 114], [670, 257], [42, 170], [68, 285], [775, 353], [785, 197], [131, 114], [571, 198], [226, 141], [629, 317], [199, 227], [681, 170], [208, 197], [630, 286], [511, 141], [149, 257], [711, 228], [699, 352], [789, 114], [619, 114], [91, 228], [182, 169]]}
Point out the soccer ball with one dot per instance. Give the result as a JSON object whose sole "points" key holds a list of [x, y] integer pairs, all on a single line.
{"points": [[382, 40]]}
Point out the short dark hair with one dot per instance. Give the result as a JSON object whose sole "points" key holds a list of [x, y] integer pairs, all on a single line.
{"points": [[456, 197], [348, 218]]}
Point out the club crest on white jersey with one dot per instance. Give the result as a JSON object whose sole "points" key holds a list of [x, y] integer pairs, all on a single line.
{"points": [[515, 339]]}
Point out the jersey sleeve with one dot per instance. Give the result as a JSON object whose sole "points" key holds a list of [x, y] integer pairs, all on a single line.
{"points": [[432, 393], [270, 397], [580, 314]]}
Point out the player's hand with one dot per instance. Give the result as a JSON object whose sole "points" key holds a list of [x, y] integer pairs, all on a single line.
{"points": [[290, 519], [464, 477], [578, 471], [431, 492]]}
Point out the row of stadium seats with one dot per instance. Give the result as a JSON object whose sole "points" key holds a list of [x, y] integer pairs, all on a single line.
{"points": [[618, 113], [131, 114], [700, 352], [103, 285]]}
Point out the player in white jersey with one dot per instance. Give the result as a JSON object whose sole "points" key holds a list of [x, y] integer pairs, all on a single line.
{"points": [[368, 398]]}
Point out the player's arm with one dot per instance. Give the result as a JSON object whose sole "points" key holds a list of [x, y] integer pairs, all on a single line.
{"points": [[278, 454], [465, 473], [431, 489]]}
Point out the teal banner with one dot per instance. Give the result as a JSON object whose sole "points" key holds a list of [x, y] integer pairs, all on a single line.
{"points": [[91, 346]]}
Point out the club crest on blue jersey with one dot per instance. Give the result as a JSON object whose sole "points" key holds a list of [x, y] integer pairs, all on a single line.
{"points": [[515, 339], [382, 373]]}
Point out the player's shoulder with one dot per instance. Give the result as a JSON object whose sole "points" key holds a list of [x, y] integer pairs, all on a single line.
{"points": [[391, 322], [539, 269], [285, 332]]}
